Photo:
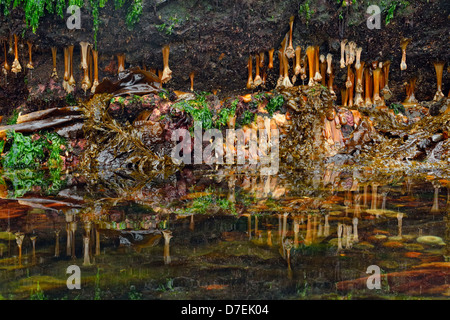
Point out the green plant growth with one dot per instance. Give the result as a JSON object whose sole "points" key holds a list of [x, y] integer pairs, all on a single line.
{"points": [[247, 118], [397, 108], [34, 150], [70, 100], [25, 180], [163, 94], [167, 28], [38, 294], [198, 109], [390, 7], [137, 99], [134, 13], [97, 290], [13, 119], [224, 114], [133, 294], [275, 104], [305, 11], [25, 158], [202, 204], [35, 10], [168, 286]]}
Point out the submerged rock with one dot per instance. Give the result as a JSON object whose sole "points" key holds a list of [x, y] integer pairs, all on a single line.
{"points": [[431, 240]]}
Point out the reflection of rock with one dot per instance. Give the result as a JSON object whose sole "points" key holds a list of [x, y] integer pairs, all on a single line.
{"points": [[364, 245], [431, 240], [414, 247], [393, 244], [141, 239], [425, 279]]}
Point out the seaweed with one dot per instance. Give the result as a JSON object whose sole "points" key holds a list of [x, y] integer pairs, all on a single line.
{"points": [[247, 118], [123, 142], [304, 146], [275, 104], [34, 150]]}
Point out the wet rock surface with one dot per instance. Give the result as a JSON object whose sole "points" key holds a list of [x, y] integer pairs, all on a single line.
{"points": [[214, 39]]}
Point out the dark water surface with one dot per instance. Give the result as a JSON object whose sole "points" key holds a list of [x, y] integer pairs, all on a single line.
{"points": [[225, 235]]}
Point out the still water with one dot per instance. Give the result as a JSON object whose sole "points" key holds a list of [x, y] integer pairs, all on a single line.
{"points": [[228, 235]]}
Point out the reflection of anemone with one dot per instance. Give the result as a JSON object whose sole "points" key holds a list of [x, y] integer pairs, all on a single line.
{"points": [[57, 243], [19, 240], [410, 88], [87, 260], [435, 207], [167, 236]]}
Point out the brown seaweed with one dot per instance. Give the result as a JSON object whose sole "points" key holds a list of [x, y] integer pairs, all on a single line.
{"points": [[41, 114], [112, 143], [130, 82], [34, 126]]}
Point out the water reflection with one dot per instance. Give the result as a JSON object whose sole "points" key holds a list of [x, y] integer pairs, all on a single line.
{"points": [[304, 234]]}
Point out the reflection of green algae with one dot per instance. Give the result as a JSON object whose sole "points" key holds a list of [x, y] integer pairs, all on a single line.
{"points": [[238, 248], [364, 245], [389, 264], [27, 285], [431, 240], [4, 235], [333, 242], [385, 213], [414, 247]]}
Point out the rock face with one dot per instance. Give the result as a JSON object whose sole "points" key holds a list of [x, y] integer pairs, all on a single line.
{"points": [[215, 38]]}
